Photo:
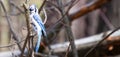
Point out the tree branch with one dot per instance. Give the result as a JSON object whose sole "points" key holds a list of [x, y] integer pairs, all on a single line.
{"points": [[28, 27], [39, 10], [81, 44], [87, 42], [84, 10], [88, 8], [68, 30]]}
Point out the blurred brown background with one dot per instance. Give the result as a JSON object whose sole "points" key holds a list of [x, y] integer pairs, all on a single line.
{"points": [[105, 18]]}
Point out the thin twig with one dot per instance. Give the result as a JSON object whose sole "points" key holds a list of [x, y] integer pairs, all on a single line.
{"points": [[101, 42], [11, 2], [10, 45], [39, 10], [67, 51], [45, 20], [6, 46], [106, 20], [84, 10], [50, 3], [57, 23]]}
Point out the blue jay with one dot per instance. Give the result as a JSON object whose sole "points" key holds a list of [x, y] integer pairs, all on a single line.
{"points": [[37, 25]]}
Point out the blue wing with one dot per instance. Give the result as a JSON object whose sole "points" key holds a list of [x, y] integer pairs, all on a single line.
{"points": [[39, 21]]}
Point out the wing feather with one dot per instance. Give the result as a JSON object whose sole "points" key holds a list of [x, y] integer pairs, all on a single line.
{"points": [[39, 21]]}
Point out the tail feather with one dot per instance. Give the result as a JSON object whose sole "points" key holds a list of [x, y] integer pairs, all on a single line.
{"points": [[38, 42]]}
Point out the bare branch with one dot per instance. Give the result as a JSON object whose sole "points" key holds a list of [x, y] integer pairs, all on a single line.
{"points": [[84, 10], [28, 27], [106, 20], [16, 7], [81, 44], [39, 10], [68, 30], [86, 42], [88, 8]]}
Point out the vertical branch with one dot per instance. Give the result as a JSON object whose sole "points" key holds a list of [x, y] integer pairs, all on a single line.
{"points": [[68, 30], [28, 27], [70, 36]]}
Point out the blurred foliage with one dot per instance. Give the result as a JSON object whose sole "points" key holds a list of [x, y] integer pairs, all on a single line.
{"points": [[38, 3]]}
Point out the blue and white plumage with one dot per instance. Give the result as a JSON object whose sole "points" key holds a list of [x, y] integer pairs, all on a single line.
{"points": [[37, 25]]}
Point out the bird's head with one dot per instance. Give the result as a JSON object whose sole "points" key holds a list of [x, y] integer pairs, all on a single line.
{"points": [[33, 9]]}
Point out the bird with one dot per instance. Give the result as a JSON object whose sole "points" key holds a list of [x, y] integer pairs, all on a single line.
{"points": [[37, 25]]}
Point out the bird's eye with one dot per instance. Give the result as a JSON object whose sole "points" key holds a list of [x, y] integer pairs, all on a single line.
{"points": [[31, 9]]}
